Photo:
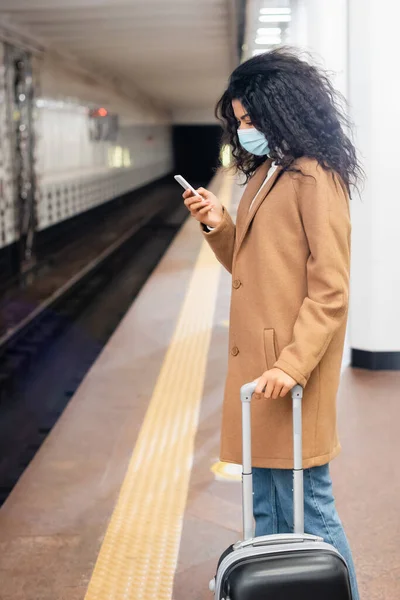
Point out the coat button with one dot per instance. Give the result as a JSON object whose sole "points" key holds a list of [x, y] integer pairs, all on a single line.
{"points": [[235, 351], [237, 283]]}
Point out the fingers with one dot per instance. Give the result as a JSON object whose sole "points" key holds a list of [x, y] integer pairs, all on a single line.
{"points": [[197, 209], [203, 192], [274, 383], [276, 389], [261, 384], [191, 198], [269, 388], [195, 205], [189, 194], [191, 202], [205, 210], [280, 391], [285, 390]]}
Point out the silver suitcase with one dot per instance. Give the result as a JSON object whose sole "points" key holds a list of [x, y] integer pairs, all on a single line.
{"points": [[293, 566]]}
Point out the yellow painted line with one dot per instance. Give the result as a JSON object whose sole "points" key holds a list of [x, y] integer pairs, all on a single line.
{"points": [[138, 557]]}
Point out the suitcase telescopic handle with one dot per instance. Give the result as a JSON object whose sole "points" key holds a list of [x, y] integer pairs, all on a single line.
{"points": [[246, 393]]}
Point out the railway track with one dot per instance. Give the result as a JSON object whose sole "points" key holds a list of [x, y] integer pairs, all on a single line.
{"points": [[45, 355]]}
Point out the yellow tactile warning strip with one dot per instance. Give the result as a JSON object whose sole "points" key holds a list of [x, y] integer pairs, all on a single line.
{"points": [[138, 556]]}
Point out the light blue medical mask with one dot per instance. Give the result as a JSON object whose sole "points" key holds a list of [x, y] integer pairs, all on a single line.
{"points": [[253, 141]]}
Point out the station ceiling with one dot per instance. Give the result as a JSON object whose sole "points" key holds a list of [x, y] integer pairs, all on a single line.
{"points": [[178, 52]]}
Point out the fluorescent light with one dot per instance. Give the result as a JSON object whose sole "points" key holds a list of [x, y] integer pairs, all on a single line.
{"points": [[275, 11], [269, 31], [265, 41], [275, 18]]}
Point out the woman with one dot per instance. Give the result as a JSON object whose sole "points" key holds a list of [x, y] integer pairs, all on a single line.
{"points": [[289, 255]]}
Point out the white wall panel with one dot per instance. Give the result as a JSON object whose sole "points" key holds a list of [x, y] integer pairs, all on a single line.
{"points": [[76, 173], [64, 146], [374, 91]]}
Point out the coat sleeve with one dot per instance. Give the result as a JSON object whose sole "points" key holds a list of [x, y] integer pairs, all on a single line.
{"points": [[222, 240], [324, 211]]}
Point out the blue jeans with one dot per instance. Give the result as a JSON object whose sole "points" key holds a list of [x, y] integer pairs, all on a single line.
{"points": [[273, 509]]}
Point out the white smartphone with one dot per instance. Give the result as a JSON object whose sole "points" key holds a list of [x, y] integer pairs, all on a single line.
{"points": [[182, 181]]}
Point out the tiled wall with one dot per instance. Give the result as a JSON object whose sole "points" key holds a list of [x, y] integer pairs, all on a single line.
{"points": [[73, 172], [63, 198]]}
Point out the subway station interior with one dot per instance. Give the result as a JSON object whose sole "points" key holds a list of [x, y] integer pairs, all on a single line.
{"points": [[115, 323]]}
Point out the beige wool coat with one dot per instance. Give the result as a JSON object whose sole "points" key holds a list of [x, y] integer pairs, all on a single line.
{"points": [[289, 257]]}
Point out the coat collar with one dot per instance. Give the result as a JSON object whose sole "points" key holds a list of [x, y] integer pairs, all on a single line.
{"points": [[245, 215]]}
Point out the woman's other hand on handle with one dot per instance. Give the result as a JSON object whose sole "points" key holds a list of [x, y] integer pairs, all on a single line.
{"points": [[274, 383]]}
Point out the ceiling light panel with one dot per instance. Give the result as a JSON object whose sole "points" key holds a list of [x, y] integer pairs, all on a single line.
{"points": [[275, 18], [275, 11], [269, 31]]}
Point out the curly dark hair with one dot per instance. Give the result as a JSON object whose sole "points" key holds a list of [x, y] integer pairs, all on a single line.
{"points": [[295, 105]]}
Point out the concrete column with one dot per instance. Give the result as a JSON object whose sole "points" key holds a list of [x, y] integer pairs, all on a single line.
{"points": [[357, 40], [299, 24], [327, 37], [373, 96], [321, 28]]}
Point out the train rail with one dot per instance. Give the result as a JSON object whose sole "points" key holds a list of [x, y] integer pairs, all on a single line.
{"points": [[97, 295]]}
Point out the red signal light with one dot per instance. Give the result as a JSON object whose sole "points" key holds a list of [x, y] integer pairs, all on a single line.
{"points": [[102, 112]]}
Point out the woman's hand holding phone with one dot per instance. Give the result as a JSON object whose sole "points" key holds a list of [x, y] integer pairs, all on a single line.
{"points": [[207, 210]]}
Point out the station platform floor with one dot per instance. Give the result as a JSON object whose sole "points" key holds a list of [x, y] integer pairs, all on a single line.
{"points": [[125, 499]]}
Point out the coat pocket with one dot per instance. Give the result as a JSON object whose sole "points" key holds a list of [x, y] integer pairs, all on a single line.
{"points": [[270, 347]]}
